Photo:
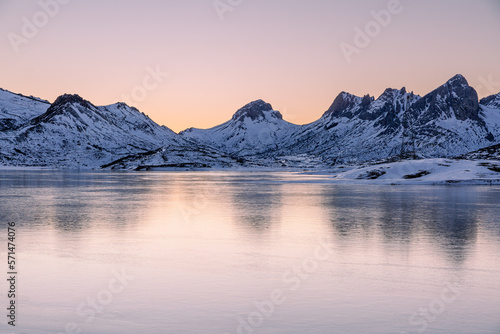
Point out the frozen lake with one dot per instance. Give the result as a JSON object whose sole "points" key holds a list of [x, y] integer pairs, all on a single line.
{"points": [[242, 252]]}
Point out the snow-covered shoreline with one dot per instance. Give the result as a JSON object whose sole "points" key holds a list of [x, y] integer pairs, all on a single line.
{"points": [[425, 172], [437, 171]]}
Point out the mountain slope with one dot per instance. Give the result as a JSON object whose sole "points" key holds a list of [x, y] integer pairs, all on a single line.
{"points": [[355, 128], [253, 129], [490, 113], [183, 155], [486, 153], [446, 122], [17, 109], [73, 132]]}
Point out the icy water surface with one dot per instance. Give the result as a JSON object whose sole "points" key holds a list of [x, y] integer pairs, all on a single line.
{"points": [[236, 252]]}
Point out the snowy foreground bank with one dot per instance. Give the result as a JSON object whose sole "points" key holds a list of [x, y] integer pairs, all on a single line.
{"points": [[426, 171]]}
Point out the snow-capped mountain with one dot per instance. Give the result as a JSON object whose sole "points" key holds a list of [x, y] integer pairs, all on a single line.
{"points": [[446, 122], [73, 132], [354, 127], [17, 109], [492, 101], [253, 129], [490, 113]]}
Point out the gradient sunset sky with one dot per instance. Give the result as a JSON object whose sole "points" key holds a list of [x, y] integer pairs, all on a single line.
{"points": [[222, 54]]}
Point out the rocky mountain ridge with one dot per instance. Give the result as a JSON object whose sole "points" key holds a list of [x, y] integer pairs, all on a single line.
{"points": [[72, 132]]}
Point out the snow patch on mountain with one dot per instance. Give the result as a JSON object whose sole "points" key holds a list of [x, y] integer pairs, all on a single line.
{"points": [[16, 109], [73, 132], [355, 128], [176, 156], [446, 122]]}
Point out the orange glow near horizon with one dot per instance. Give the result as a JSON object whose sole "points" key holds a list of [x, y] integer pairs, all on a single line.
{"points": [[289, 54]]}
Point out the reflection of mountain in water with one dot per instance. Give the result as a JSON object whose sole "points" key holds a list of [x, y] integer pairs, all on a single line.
{"points": [[447, 216], [353, 212], [257, 205], [451, 217], [490, 202], [73, 201]]}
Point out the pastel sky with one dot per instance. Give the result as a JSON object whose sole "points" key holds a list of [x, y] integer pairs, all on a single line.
{"points": [[211, 60]]}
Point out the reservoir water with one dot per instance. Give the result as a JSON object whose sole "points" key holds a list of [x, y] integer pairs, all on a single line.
{"points": [[247, 252]]}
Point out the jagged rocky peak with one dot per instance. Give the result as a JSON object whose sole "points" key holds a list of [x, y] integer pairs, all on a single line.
{"points": [[455, 99], [344, 104], [458, 88], [67, 99], [391, 93], [492, 101], [463, 98], [458, 81], [399, 97], [60, 106], [256, 110]]}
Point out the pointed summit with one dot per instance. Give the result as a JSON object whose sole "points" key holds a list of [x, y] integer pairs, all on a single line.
{"points": [[255, 110], [458, 80], [454, 99], [62, 105], [391, 94], [69, 98], [254, 128], [346, 104]]}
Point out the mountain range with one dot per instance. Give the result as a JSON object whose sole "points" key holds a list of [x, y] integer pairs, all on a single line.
{"points": [[72, 132]]}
